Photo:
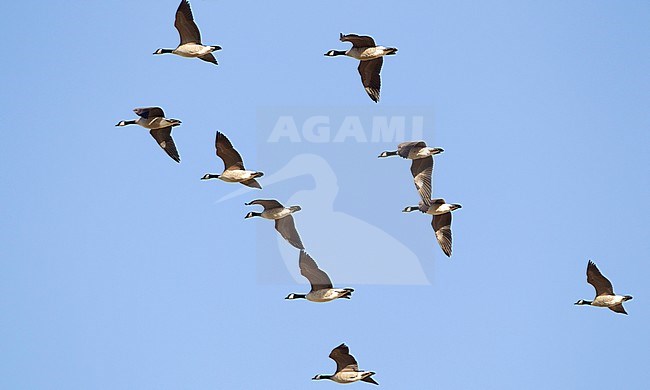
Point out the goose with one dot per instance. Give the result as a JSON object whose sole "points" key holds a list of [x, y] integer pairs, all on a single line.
{"points": [[321, 286], [233, 170], [441, 220], [421, 165], [347, 370], [153, 118], [605, 296], [413, 150], [190, 45], [284, 223], [371, 59]]}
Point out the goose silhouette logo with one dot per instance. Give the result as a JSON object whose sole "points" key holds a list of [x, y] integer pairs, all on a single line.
{"points": [[351, 250]]}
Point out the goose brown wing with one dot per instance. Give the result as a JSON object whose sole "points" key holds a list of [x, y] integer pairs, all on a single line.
{"points": [[252, 183], [618, 308], [226, 152], [602, 285], [422, 170], [287, 229], [358, 40], [266, 203], [309, 269], [442, 227], [184, 23], [370, 78], [404, 148], [149, 112], [344, 361], [163, 137], [209, 58]]}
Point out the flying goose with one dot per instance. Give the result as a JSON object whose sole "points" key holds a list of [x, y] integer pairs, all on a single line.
{"points": [[153, 118], [441, 221], [284, 223], [321, 285], [421, 166], [413, 150], [190, 45], [233, 170], [347, 370], [605, 296], [371, 59]]}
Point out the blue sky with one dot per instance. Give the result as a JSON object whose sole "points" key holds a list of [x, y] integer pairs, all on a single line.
{"points": [[122, 270]]}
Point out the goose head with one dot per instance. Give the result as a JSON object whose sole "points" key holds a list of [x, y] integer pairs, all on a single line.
{"points": [[334, 53], [387, 153], [295, 296]]}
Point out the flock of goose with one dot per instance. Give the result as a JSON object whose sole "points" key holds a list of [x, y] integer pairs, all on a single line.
{"points": [[370, 58]]}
